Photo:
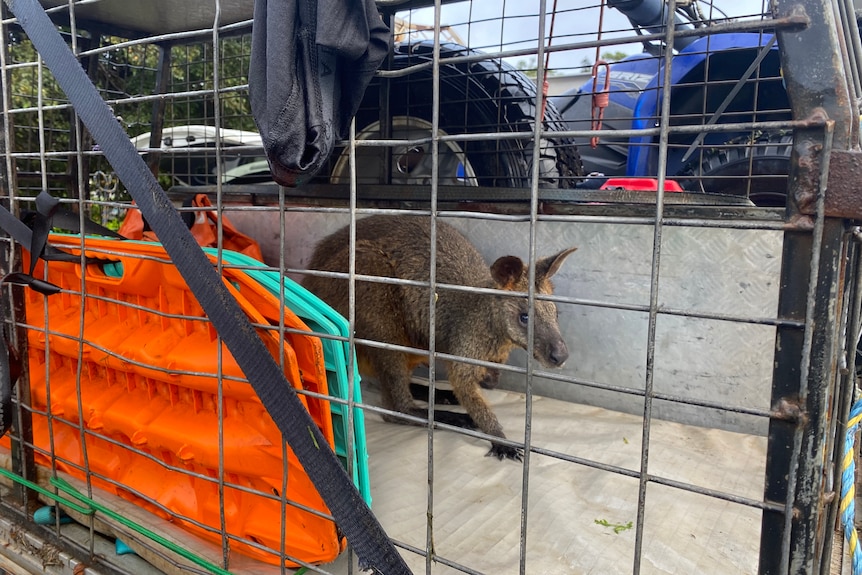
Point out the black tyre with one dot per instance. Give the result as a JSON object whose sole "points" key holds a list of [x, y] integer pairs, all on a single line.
{"points": [[754, 167], [486, 96]]}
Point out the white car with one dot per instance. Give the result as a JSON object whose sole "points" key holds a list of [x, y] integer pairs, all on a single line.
{"points": [[188, 152]]}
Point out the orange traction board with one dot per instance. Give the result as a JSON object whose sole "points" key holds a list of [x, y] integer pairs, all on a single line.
{"points": [[148, 396]]}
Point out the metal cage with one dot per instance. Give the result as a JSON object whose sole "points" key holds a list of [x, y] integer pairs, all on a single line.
{"points": [[703, 162]]}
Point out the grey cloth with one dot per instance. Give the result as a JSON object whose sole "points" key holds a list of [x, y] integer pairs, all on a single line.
{"points": [[311, 61]]}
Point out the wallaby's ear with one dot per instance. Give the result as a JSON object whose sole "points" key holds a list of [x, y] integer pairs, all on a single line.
{"points": [[547, 267], [507, 270]]}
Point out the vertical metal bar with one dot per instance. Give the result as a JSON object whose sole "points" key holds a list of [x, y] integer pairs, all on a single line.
{"points": [[282, 226], [77, 172], [351, 298], [351, 269], [500, 119], [157, 116], [7, 169], [91, 63], [385, 117], [83, 214], [225, 541], [22, 457], [847, 20], [432, 280], [803, 524], [538, 125], [704, 108], [664, 120], [283, 499], [81, 423], [849, 330], [40, 115], [810, 278]]}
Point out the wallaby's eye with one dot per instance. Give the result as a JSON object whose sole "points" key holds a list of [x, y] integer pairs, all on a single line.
{"points": [[524, 318]]}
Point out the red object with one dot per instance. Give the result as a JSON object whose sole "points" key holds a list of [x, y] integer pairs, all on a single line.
{"points": [[601, 99], [147, 394], [640, 185], [204, 229]]}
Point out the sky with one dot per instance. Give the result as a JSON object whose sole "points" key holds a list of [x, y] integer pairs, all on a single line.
{"points": [[481, 24]]}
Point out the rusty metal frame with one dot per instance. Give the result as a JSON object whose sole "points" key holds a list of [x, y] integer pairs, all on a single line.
{"points": [[799, 503], [843, 197], [813, 284]]}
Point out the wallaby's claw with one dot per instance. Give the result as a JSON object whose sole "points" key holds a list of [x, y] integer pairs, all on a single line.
{"points": [[502, 452]]}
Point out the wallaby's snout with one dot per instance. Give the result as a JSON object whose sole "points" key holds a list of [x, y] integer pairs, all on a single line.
{"points": [[558, 353], [551, 350]]}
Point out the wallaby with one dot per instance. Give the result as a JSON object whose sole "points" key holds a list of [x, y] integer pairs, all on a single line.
{"points": [[468, 324]]}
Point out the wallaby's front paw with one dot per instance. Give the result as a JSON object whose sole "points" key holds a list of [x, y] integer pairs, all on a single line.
{"points": [[445, 397], [502, 452], [491, 379]]}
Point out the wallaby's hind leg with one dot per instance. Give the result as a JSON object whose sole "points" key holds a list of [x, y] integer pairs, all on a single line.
{"points": [[393, 371], [465, 380]]}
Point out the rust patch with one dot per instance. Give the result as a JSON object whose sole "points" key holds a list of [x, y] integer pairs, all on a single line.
{"points": [[844, 185], [790, 410], [799, 222]]}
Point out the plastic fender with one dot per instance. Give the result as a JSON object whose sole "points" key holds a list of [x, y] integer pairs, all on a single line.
{"points": [[628, 78], [648, 105]]}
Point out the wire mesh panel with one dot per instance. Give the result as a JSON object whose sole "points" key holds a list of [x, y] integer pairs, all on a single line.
{"points": [[606, 248]]}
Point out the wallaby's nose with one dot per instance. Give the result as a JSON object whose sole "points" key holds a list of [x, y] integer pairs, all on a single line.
{"points": [[559, 353]]}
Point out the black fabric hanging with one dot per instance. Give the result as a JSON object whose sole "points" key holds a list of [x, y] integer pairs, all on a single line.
{"points": [[311, 61]]}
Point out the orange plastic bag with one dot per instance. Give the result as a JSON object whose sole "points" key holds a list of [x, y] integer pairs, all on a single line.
{"points": [[204, 229]]}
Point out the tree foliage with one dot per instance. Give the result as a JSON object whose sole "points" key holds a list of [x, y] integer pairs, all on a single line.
{"points": [[530, 68], [43, 121], [615, 56]]}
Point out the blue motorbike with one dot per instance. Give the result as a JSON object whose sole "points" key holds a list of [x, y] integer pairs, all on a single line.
{"points": [[724, 80]]}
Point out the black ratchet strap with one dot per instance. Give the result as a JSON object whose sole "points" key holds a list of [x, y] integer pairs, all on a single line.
{"points": [[363, 531], [35, 239]]}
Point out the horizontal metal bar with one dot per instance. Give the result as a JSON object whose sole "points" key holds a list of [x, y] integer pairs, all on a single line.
{"points": [[757, 218], [54, 10], [720, 28], [171, 37], [623, 133], [756, 503], [452, 564], [560, 378], [658, 479], [484, 195], [684, 129], [769, 321], [135, 100]]}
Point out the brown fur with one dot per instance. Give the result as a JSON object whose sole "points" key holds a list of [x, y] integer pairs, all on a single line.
{"points": [[478, 326]]}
